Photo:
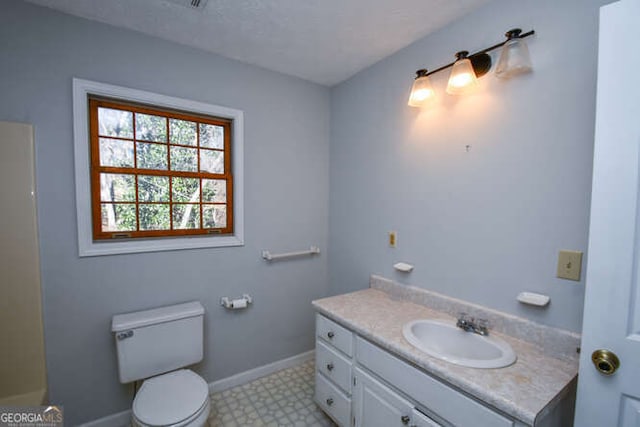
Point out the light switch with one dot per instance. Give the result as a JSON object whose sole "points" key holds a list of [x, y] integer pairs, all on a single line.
{"points": [[569, 264]]}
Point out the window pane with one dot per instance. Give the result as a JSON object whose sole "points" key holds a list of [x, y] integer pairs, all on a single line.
{"points": [[151, 128], [153, 189], [116, 153], [115, 123], [214, 190], [151, 156], [117, 187], [159, 173], [186, 216], [182, 132], [154, 217], [211, 161], [211, 136], [185, 190], [214, 216], [118, 217], [184, 159]]}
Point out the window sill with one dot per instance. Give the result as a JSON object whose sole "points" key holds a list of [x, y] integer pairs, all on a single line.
{"points": [[156, 245]]}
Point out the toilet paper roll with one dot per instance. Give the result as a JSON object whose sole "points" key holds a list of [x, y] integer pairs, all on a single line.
{"points": [[239, 303]]}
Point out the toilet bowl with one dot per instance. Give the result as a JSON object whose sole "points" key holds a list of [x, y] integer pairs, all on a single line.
{"points": [[176, 399], [155, 346]]}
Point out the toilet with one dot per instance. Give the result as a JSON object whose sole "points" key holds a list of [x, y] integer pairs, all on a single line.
{"points": [[155, 346]]}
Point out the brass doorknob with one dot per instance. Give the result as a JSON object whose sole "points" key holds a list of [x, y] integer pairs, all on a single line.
{"points": [[605, 361]]}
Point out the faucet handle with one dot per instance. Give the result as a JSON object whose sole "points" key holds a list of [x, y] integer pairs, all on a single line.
{"points": [[482, 326], [463, 321]]}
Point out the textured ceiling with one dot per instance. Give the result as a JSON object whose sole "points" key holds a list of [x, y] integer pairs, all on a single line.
{"points": [[324, 41]]}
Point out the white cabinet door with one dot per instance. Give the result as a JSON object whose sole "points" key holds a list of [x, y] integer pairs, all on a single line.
{"points": [[376, 405], [612, 301]]}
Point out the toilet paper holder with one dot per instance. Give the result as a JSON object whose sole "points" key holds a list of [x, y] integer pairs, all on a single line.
{"points": [[236, 304]]}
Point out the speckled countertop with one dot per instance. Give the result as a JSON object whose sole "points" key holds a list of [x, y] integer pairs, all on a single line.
{"points": [[523, 390]]}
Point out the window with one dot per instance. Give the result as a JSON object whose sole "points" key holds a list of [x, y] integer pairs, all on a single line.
{"points": [[158, 173], [155, 172]]}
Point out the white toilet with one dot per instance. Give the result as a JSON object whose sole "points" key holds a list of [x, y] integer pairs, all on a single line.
{"points": [[154, 345]]}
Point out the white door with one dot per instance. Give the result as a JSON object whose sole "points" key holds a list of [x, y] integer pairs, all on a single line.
{"points": [[612, 301], [376, 405]]}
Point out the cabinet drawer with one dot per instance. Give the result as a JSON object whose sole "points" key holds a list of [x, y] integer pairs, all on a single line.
{"points": [[339, 337], [333, 366], [332, 401], [421, 420], [446, 402]]}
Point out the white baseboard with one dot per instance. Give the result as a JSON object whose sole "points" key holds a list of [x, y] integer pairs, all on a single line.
{"points": [[122, 419], [260, 371]]}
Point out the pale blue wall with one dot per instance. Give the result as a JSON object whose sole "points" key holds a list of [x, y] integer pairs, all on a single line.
{"points": [[286, 204], [481, 225]]}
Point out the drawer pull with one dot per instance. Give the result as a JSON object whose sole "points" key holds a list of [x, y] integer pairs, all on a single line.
{"points": [[330, 334], [329, 401], [405, 419], [330, 367]]}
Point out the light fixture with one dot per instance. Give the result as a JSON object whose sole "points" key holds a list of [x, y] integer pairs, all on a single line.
{"points": [[422, 92], [463, 77], [514, 57], [514, 60]]}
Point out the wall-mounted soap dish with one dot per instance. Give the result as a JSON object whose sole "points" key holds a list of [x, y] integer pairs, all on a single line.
{"points": [[403, 267], [531, 298]]}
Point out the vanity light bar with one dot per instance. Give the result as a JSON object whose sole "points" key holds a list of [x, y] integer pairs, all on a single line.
{"points": [[479, 60]]}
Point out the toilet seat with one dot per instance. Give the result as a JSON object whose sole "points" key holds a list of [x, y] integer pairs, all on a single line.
{"points": [[173, 399]]}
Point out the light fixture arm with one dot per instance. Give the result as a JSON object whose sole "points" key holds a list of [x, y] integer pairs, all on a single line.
{"points": [[515, 33]]}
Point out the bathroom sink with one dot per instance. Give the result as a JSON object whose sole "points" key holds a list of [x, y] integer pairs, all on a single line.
{"points": [[447, 342]]}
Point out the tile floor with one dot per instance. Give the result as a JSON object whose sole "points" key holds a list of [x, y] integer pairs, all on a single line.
{"points": [[282, 399]]}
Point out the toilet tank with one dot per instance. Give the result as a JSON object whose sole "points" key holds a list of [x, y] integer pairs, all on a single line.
{"points": [[152, 342]]}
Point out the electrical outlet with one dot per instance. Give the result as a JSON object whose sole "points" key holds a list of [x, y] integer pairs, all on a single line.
{"points": [[569, 264], [393, 239]]}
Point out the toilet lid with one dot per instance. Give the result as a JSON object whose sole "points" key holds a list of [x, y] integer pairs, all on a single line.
{"points": [[170, 398]]}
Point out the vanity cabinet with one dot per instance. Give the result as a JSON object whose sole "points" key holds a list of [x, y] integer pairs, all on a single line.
{"points": [[358, 384], [448, 404]]}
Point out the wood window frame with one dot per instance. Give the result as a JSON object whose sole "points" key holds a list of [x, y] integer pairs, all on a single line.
{"points": [[97, 169], [87, 245]]}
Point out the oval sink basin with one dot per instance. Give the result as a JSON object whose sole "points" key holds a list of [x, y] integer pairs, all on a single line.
{"points": [[448, 342]]}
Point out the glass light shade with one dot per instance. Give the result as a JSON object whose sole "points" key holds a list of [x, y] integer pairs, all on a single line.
{"points": [[514, 59], [462, 78], [422, 92]]}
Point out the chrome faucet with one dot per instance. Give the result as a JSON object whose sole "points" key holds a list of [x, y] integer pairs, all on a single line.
{"points": [[469, 324]]}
